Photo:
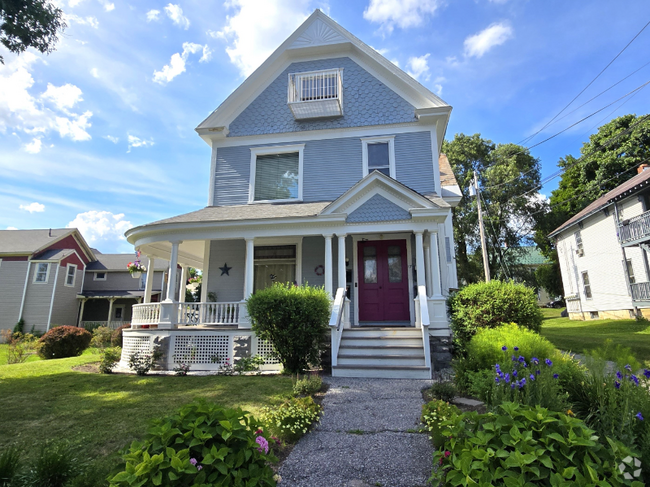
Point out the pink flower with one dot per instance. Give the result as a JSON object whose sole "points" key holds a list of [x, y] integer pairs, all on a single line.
{"points": [[263, 444], [447, 453], [193, 461], [199, 467], [259, 431]]}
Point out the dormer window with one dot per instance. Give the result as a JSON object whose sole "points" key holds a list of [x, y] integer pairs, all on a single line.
{"points": [[316, 94]]}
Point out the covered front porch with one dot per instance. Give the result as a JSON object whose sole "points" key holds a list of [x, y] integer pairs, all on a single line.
{"points": [[384, 257]]}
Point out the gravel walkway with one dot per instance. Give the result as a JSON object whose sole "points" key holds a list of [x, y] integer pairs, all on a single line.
{"points": [[363, 438]]}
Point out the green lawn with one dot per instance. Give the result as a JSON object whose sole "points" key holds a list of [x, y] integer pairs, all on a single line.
{"points": [[47, 400], [579, 336]]}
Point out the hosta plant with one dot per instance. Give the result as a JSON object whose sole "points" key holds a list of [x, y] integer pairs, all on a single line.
{"points": [[202, 445], [523, 445]]}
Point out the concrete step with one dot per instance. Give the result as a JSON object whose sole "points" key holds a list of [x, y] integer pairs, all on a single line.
{"points": [[381, 341], [382, 332], [381, 360], [382, 372], [411, 350]]}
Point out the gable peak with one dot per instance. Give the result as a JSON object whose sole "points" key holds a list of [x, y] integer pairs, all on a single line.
{"points": [[317, 33]]}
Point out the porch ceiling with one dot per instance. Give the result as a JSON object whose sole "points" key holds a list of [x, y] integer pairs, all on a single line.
{"points": [[190, 252]]}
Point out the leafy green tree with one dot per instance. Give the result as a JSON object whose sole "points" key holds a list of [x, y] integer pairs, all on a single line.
{"points": [[29, 23], [509, 176]]}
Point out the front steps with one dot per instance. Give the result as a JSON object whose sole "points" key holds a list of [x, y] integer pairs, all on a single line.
{"points": [[388, 353]]}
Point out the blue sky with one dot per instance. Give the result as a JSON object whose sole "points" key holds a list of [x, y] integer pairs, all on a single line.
{"points": [[100, 134]]}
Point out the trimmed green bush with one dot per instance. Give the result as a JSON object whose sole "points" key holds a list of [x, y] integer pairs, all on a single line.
{"points": [[201, 445], [294, 319], [64, 341], [523, 445], [102, 337], [110, 357], [307, 386], [116, 337], [488, 305]]}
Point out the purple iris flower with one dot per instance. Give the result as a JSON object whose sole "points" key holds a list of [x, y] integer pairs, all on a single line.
{"points": [[507, 378], [634, 379], [504, 348], [548, 362], [538, 372], [514, 373], [646, 373], [512, 386], [639, 416], [535, 360], [628, 367], [516, 349], [522, 383], [514, 359], [556, 376], [532, 377], [619, 376], [521, 359], [617, 384], [496, 379]]}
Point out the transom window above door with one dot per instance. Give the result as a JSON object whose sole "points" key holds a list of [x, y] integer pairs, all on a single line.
{"points": [[379, 155], [276, 174]]}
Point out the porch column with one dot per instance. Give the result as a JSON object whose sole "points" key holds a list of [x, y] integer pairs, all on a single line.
{"points": [[250, 267], [435, 265], [427, 264], [419, 259], [110, 311], [328, 264], [342, 281], [81, 313], [148, 286], [183, 286], [173, 264]]}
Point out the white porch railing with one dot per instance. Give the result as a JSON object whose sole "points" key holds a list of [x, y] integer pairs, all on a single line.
{"points": [[637, 228], [209, 313], [640, 291], [113, 325], [422, 319], [340, 314], [189, 314], [145, 314]]}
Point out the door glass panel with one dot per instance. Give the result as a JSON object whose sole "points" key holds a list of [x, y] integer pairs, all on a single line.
{"points": [[370, 265], [394, 263]]}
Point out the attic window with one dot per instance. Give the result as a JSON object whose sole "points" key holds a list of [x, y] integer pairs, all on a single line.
{"points": [[316, 94]]}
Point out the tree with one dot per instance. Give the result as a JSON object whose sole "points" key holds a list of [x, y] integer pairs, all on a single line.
{"points": [[607, 160], [509, 176], [29, 23]]}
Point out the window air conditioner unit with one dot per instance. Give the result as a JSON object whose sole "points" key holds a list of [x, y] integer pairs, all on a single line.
{"points": [[580, 252]]}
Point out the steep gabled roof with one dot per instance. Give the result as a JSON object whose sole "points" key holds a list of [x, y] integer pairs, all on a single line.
{"points": [[320, 35], [29, 242], [630, 186]]}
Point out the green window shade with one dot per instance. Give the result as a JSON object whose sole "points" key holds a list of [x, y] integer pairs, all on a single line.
{"points": [[276, 177]]}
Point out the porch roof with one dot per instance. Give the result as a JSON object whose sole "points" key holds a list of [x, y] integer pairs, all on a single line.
{"points": [[114, 294]]}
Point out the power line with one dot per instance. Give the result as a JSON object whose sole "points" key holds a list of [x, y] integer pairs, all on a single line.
{"points": [[495, 243], [613, 111], [585, 88]]}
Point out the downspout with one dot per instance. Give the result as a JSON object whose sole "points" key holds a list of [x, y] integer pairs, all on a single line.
{"points": [[56, 281], [22, 301]]}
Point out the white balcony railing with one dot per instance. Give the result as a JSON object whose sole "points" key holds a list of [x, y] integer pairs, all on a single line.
{"points": [[640, 291], [316, 94], [189, 314], [637, 228]]}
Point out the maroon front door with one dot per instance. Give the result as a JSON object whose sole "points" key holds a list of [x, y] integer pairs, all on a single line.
{"points": [[383, 281]]}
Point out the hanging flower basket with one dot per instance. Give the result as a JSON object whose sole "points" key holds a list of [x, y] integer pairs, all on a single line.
{"points": [[136, 268]]}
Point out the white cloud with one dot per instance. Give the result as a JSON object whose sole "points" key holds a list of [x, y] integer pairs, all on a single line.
{"points": [[403, 13], [74, 3], [437, 84], [63, 97], [176, 65], [24, 112], [115, 140], [207, 54], [175, 13], [100, 226], [153, 15], [94, 72], [258, 28], [418, 67], [33, 207], [12, 228], [90, 21], [495, 35], [34, 147], [138, 142], [108, 6]]}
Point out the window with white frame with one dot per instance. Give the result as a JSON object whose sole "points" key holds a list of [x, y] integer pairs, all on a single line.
{"points": [[579, 244], [99, 276], [630, 271], [314, 85], [379, 155], [42, 272], [586, 285], [274, 264], [276, 173], [70, 275]]}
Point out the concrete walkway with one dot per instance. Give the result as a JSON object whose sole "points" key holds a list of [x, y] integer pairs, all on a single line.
{"points": [[363, 438]]}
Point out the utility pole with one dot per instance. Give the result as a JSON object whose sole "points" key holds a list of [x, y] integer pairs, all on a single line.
{"points": [[486, 264]]}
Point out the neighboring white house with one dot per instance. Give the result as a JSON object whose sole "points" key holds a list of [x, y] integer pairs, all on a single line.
{"points": [[325, 169], [603, 253]]}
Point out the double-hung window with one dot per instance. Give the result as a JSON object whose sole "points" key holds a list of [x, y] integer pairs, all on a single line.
{"points": [[70, 275], [276, 173], [379, 155], [579, 245], [586, 285], [42, 272]]}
